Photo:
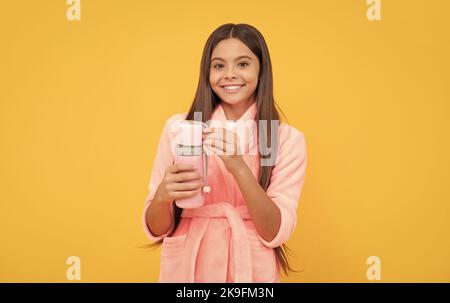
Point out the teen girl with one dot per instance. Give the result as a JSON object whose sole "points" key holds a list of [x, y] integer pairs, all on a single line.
{"points": [[238, 235]]}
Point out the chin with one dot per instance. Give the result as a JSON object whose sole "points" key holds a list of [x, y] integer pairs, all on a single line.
{"points": [[231, 100]]}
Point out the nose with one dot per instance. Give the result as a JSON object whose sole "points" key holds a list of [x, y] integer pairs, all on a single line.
{"points": [[229, 74]]}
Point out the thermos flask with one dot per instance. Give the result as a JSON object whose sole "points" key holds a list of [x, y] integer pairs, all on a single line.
{"points": [[189, 149]]}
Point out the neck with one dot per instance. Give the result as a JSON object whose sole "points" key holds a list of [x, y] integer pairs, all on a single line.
{"points": [[235, 111]]}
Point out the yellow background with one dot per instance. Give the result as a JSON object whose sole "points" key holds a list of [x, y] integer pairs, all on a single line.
{"points": [[83, 104]]}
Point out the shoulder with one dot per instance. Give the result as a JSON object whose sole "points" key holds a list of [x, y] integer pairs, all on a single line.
{"points": [[170, 126], [170, 121], [288, 133], [176, 117], [292, 143], [291, 147]]}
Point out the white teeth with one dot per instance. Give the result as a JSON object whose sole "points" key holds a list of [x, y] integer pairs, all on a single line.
{"points": [[232, 88]]}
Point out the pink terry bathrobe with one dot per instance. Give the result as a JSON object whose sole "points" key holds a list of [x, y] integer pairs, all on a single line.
{"points": [[218, 242]]}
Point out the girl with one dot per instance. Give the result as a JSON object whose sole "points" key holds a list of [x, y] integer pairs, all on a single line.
{"points": [[238, 235]]}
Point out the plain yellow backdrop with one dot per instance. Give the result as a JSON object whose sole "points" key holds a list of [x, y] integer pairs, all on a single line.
{"points": [[83, 104]]}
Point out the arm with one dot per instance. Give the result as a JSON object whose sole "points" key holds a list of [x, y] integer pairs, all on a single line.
{"points": [[264, 212], [275, 211], [180, 181], [158, 216], [168, 182]]}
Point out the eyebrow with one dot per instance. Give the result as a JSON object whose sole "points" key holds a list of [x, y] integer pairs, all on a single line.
{"points": [[240, 57]]}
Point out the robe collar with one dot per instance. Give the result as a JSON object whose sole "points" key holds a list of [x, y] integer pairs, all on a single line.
{"points": [[249, 114]]}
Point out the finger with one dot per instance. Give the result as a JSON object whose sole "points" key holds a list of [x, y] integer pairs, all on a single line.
{"points": [[215, 136], [216, 143], [180, 167], [227, 148], [221, 132], [184, 194], [188, 186], [208, 130], [224, 135], [212, 150], [185, 176]]}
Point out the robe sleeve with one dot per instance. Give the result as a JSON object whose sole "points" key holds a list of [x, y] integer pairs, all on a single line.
{"points": [[164, 157], [286, 181]]}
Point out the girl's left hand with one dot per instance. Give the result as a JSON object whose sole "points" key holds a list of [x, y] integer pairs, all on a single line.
{"points": [[224, 143]]}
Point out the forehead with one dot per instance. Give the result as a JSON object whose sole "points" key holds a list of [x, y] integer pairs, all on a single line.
{"points": [[231, 48]]}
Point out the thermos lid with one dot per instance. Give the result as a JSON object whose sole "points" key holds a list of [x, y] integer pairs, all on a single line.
{"points": [[190, 132]]}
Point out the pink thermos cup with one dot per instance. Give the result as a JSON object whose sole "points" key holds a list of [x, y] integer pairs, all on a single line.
{"points": [[189, 149]]}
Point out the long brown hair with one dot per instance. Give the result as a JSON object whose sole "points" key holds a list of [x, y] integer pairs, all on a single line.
{"points": [[205, 101]]}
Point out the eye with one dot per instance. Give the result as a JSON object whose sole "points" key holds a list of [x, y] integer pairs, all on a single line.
{"points": [[216, 66], [243, 64]]}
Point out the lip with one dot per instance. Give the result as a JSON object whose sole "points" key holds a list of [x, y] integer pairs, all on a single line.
{"points": [[232, 85]]}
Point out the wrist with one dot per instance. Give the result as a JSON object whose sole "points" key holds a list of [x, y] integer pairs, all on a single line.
{"points": [[239, 168], [160, 199]]}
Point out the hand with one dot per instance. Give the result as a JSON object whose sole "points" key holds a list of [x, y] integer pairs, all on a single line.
{"points": [[224, 143], [180, 181]]}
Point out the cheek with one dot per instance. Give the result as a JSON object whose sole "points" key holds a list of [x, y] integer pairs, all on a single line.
{"points": [[251, 76], [214, 79], [252, 81]]}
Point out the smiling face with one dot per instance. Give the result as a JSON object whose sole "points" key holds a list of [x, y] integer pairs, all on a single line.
{"points": [[234, 72]]}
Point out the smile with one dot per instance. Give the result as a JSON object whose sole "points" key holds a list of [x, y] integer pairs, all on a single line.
{"points": [[231, 89]]}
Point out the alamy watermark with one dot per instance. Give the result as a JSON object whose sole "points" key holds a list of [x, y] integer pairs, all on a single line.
{"points": [[374, 270], [74, 10], [374, 10], [74, 270]]}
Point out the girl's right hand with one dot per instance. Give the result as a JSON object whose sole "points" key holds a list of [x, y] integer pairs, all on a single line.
{"points": [[180, 181]]}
